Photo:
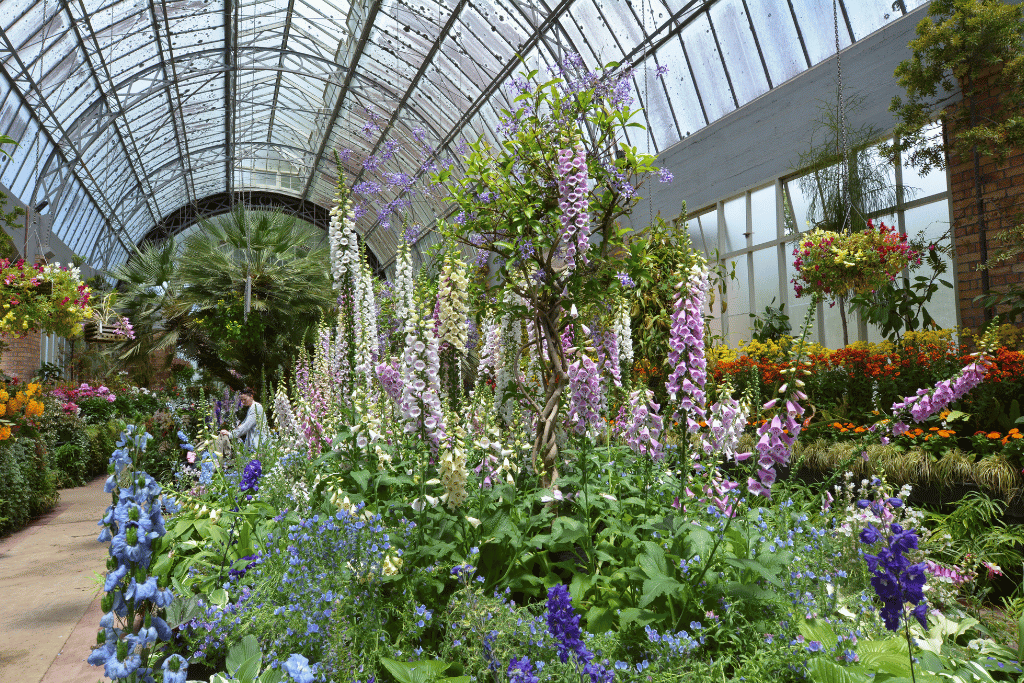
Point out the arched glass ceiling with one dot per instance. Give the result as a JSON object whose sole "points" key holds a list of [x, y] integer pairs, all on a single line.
{"points": [[129, 110]]}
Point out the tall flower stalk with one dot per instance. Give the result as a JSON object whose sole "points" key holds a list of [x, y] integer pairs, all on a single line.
{"points": [[572, 200], [777, 435], [896, 581], [129, 642], [421, 386], [928, 402], [686, 357], [645, 426]]}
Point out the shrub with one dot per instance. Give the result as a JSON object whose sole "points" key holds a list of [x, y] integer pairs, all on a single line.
{"points": [[70, 465], [27, 486], [67, 444]]}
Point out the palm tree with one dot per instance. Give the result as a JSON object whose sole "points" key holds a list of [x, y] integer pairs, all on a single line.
{"points": [[285, 263], [148, 291], [191, 299]]}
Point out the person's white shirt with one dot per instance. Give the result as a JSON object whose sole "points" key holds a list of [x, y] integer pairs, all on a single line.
{"points": [[253, 427]]}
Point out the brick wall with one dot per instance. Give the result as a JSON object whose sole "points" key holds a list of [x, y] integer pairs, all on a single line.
{"points": [[21, 358], [1002, 205]]}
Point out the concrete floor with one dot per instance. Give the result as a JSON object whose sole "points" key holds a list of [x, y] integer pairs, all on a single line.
{"points": [[50, 592]]}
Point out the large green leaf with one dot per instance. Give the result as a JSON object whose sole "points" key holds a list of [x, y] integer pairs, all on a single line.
{"points": [[641, 617], [825, 671], [244, 659], [652, 560], [600, 619], [700, 543], [421, 671], [658, 586], [815, 629], [769, 574], [567, 531]]}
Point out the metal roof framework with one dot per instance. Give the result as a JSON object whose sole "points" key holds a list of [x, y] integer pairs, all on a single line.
{"points": [[132, 113]]}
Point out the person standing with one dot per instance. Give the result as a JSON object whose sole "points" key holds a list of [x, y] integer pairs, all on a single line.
{"points": [[253, 429]]}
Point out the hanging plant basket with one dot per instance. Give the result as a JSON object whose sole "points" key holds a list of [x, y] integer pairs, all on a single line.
{"points": [[95, 331], [832, 264]]}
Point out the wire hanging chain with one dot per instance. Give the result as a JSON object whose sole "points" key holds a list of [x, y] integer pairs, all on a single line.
{"points": [[842, 139]]}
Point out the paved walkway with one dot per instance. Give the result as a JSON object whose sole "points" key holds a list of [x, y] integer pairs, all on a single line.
{"points": [[50, 592]]}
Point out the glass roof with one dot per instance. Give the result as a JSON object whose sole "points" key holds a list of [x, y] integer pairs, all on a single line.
{"points": [[128, 110]]}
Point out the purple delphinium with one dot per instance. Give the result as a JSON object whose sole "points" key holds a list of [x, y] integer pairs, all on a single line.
{"points": [[564, 625], [686, 346], [896, 581], [251, 476], [522, 671]]}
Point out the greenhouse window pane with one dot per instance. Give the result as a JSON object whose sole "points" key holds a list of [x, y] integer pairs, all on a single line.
{"points": [[734, 232], [595, 30], [867, 16], [797, 206], [738, 290], [656, 104], [821, 44], [780, 43], [706, 236], [766, 279], [918, 184], [623, 24], [707, 68], [739, 49], [762, 215]]}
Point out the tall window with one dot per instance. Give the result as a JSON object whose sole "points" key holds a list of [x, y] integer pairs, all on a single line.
{"points": [[754, 234]]}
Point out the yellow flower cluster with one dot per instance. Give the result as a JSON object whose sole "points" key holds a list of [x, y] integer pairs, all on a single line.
{"points": [[770, 351], [23, 403]]}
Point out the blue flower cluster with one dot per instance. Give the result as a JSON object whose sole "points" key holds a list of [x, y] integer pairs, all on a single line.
{"points": [[564, 625], [323, 573], [131, 523], [896, 581], [680, 644], [251, 476], [522, 671]]}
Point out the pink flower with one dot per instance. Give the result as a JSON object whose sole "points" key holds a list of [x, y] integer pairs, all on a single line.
{"points": [[993, 569], [191, 457]]}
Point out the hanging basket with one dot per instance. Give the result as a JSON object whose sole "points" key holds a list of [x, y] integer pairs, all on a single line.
{"points": [[95, 331]]}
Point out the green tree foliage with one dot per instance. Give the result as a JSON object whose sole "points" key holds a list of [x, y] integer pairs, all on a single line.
{"points": [[956, 45], [192, 299]]}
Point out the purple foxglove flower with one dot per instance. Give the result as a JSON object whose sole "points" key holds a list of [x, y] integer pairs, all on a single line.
{"points": [[645, 426], [686, 345]]}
